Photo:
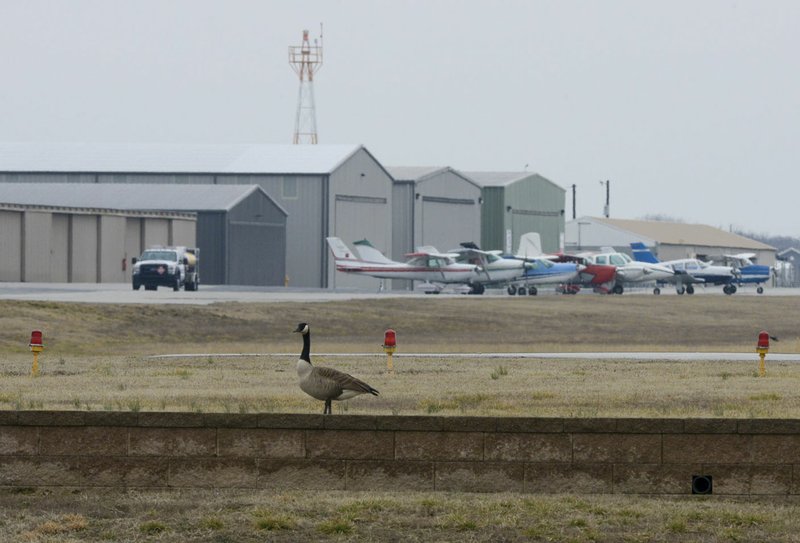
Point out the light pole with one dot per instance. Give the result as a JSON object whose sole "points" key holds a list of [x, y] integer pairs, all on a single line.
{"points": [[606, 208]]}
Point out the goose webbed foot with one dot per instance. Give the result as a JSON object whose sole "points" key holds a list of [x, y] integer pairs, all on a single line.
{"points": [[327, 410]]}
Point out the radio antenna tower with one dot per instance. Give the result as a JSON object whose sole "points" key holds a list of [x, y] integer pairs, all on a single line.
{"points": [[306, 60]]}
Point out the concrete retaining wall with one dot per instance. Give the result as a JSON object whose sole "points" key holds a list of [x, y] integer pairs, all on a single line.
{"points": [[541, 455]]}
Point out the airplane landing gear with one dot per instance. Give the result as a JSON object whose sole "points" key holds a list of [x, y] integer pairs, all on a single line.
{"points": [[681, 290], [689, 289], [656, 291], [477, 289], [521, 291], [760, 290], [618, 289], [511, 290], [532, 291], [729, 289]]}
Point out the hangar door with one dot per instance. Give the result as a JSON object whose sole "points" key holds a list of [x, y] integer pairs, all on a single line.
{"points": [[257, 254], [446, 222], [356, 218]]}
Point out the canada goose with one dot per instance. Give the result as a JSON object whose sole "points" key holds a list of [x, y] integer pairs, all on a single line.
{"points": [[326, 384]]}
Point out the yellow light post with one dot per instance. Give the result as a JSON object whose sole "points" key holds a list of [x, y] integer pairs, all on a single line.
{"points": [[762, 348], [389, 345], [36, 346]]}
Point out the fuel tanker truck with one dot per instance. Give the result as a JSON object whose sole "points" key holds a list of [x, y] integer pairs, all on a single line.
{"points": [[174, 267]]}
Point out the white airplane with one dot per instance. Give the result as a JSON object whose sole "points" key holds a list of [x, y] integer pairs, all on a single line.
{"points": [[688, 271], [628, 270], [519, 274], [436, 269]]}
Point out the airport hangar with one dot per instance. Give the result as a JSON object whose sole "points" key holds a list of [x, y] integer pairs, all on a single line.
{"points": [[668, 240], [89, 232], [515, 203], [325, 189]]}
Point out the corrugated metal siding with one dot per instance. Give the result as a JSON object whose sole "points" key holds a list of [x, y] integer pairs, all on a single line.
{"points": [[37, 246], [183, 232], [304, 224], [447, 211], [402, 227], [156, 232], [162, 179], [257, 250], [212, 240], [59, 248], [133, 241], [493, 218], [111, 239], [47, 178], [10, 246], [360, 200], [537, 206], [83, 245]]}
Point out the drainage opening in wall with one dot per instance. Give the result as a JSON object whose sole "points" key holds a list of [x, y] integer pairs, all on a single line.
{"points": [[702, 484]]}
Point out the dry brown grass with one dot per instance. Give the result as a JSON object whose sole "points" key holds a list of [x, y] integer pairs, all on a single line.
{"points": [[250, 516], [118, 375], [96, 359]]}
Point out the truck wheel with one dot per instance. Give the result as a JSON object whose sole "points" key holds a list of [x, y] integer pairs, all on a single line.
{"points": [[177, 285], [136, 285]]}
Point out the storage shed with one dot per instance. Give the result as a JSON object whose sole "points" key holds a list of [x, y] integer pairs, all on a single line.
{"points": [[515, 203], [669, 240], [326, 190], [80, 232]]}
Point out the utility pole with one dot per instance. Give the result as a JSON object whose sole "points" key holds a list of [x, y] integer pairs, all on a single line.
{"points": [[573, 202], [607, 207]]}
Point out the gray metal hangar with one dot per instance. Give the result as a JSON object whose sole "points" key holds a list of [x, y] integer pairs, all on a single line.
{"points": [[435, 206], [81, 232], [670, 240], [325, 189], [515, 203]]}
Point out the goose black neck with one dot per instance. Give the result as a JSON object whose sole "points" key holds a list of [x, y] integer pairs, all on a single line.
{"points": [[306, 347]]}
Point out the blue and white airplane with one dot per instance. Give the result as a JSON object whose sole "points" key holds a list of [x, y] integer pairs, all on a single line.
{"points": [[747, 272], [689, 271]]}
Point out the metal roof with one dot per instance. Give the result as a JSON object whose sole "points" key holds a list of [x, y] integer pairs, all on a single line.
{"points": [[129, 196], [173, 158], [684, 234], [413, 173], [503, 179]]}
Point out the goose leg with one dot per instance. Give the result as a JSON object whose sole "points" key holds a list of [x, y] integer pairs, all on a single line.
{"points": [[328, 410]]}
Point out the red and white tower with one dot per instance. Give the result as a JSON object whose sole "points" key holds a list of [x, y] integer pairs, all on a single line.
{"points": [[306, 60]]}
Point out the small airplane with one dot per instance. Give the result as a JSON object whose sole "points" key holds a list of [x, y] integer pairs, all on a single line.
{"points": [[519, 273], [601, 278], [747, 272], [689, 271], [434, 268], [629, 271]]}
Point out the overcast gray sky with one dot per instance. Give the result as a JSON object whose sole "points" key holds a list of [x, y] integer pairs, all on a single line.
{"points": [[690, 108]]}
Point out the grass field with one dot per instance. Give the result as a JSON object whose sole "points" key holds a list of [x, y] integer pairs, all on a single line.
{"points": [[97, 358]]}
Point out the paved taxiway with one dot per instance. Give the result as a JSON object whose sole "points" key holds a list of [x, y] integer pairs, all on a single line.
{"points": [[122, 293]]}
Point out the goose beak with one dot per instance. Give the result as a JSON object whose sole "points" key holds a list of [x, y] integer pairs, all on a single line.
{"points": [[297, 330]]}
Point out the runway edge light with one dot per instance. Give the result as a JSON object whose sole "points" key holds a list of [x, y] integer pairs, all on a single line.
{"points": [[36, 345], [762, 348], [389, 346]]}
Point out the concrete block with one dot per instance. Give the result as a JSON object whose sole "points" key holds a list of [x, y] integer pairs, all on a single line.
{"points": [[301, 474], [213, 472], [350, 422], [469, 424], [479, 476], [590, 425], [231, 420], [51, 418], [614, 448], [650, 426], [423, 423], [520, 424], [655, 478], [708, 448], [389, 475], [288, 420], [155, 419], [83, 440], [261, 443], [750, 479], [776, 449], [529, 447], [19, 440], [110, 418], [173, 442], [769, 426], [349, 444], [568, 478], [439, 446], [710, 426]]}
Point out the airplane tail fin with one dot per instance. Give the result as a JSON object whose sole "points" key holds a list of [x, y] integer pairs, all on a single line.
{"points": [[369, 253], [340, 249], [642, 254], [530, 245]]}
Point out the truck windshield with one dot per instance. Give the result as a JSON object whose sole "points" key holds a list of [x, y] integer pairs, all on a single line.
{"points": [[170, 256]]}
